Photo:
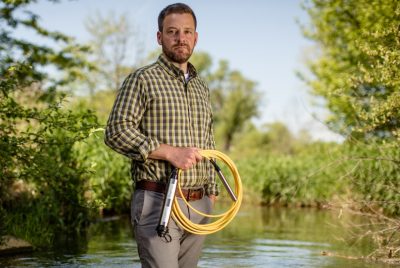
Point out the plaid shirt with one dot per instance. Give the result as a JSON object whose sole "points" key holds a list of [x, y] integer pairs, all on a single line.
{"points": [[154, 106]]}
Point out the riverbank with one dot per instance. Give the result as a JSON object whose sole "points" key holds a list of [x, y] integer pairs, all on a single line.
{"points": [[13, 245]]}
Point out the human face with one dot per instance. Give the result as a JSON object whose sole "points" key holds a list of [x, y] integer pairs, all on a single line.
{"points": [[178, 37]]}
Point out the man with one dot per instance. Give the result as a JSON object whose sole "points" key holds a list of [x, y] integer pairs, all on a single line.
{"points": [[161, 119]]}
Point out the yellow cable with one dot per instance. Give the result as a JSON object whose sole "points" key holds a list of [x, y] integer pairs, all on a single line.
{"points": [[224, 218]]}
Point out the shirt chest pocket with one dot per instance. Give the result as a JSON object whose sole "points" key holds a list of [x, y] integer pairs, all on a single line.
{"points": [[200, 109]]}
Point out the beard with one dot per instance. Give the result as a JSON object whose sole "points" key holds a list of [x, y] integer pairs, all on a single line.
{"points": [[178, 57]]}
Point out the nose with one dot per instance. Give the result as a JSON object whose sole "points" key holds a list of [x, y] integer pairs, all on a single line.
{"points": [[180, 36]]}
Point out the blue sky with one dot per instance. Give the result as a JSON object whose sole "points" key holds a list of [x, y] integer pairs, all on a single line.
{"points": [[260, 38]]}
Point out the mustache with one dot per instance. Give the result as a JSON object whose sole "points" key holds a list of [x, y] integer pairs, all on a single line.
{"points": [[181, 45]]}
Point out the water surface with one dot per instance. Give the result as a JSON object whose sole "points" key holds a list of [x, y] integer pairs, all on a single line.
{"points": [[258, 237]]}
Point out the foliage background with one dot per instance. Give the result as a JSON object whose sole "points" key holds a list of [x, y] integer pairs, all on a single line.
{"points": [[56, 174]]}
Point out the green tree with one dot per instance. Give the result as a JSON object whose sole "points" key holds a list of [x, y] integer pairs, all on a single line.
{"points": [[240, 104], [281, 139], [356, 72], [42, 186], [252, 141], [357, 68], [234, 98], [114, 40]]}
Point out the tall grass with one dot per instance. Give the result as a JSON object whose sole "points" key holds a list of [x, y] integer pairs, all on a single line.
{"points": [[304, 179], [322, 173]]}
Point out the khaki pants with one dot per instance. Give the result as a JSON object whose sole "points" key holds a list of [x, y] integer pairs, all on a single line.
{"points": [[183, 250]]}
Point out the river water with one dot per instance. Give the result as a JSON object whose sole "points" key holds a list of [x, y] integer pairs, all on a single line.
{"points": [[258, 237]]}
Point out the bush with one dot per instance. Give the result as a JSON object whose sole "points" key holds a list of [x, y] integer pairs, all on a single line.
{"points": [[42, 183], [376, 176], [321, 172], [110, 180], [303, 179]]}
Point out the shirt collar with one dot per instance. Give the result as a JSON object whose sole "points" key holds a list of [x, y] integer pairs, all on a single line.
{"points": [[166, 64]]}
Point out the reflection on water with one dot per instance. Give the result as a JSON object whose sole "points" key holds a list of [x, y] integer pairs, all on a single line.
{"points": [[258, 237], [266, 253]]}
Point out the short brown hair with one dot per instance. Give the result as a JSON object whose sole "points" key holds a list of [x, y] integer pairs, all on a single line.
{"points": [[178, 8]]}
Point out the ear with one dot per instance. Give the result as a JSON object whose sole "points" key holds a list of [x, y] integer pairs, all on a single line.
{"points": [[196, 36], [159, 38]]}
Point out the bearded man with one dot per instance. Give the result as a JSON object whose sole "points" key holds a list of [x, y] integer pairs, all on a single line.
{"points": [[161, 119]]}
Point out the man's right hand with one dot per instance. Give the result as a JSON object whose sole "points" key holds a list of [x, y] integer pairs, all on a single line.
{"points": [[179, 157]]}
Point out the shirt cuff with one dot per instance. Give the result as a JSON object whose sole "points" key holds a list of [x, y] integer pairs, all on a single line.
{"points": [[212, 189], [147, 147]]}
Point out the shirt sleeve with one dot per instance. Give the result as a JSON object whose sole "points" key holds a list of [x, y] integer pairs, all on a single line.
{"points": [[122, 131]]}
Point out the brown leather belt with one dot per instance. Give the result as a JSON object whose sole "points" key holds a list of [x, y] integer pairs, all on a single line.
{"points": [[189, 194]]}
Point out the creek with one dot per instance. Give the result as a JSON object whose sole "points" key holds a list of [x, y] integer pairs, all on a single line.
{"points": [[258, 237]]}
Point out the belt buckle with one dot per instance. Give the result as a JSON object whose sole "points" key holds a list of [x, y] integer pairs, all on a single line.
{"points": [[191, 195], [195, 194]]}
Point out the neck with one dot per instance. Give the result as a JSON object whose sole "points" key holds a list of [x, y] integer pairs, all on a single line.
{"points": [[182, 66]]}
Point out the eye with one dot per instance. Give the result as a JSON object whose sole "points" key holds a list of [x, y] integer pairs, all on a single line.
{"points": [[171, 32]]}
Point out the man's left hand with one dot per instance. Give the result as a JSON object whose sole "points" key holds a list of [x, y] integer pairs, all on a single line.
{"points": [[213, 198]]}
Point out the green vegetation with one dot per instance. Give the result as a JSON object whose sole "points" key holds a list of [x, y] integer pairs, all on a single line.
{"points": [[110, 181], [56, 174], [356, 71], [42, 184], [322, 173]]}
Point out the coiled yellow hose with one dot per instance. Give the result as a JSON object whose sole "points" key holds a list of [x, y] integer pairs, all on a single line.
{"points": [[224, 218]]}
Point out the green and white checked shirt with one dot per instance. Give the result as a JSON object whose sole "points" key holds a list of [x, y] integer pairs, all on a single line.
{"points": [[154, 106]]}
